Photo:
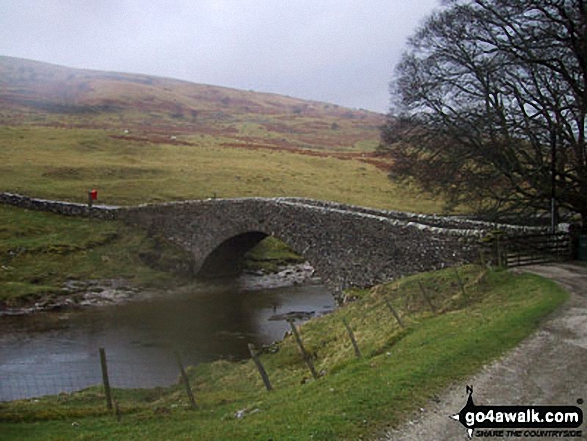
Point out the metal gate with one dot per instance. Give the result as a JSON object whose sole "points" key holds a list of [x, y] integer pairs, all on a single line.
{"points": [[530, 249]]}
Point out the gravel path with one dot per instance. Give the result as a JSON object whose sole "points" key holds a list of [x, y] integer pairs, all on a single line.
{"points": [[550, 368]]}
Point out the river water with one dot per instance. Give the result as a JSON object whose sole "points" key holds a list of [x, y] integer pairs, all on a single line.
{"points": [[54, 352]]}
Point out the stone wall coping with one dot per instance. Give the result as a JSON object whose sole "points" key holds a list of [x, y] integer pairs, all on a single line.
{"points": [[450, 225], [456, 225]]}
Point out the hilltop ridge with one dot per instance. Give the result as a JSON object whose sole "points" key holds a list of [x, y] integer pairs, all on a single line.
{"points": [[33, 92]]}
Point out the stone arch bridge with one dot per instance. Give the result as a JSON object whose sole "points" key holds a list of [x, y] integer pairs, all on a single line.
{"points": [[346, 245]]}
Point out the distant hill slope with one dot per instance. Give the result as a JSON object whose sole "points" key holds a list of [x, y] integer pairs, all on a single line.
{"points": [[165, 110]]}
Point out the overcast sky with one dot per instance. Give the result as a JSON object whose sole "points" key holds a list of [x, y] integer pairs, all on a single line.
{"points": [[338, 51]]}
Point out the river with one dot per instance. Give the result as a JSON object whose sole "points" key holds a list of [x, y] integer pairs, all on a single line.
{"points": [[54, 352]]}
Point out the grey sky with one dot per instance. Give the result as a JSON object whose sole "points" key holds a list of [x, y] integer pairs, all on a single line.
{"points": [[339, 51]]}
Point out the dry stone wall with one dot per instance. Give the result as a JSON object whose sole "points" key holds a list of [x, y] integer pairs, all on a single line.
{"points": [[59, 207]]}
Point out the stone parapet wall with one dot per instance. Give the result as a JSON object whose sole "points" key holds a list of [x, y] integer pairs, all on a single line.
{"points": [[450, 222], [59, 207]]}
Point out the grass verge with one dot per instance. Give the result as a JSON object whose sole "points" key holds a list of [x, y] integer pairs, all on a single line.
{"points": [[400, 370]]}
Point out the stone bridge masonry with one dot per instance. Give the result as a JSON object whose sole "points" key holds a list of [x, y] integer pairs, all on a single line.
{"points": [[346, 245]]}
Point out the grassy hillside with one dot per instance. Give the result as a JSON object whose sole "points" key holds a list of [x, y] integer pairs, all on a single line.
{"points": [[157, 108], [65, 163], [146, 139], [143, 139], [400, 370]]}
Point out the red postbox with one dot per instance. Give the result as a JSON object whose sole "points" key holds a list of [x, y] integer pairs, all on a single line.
{"points": [[92, 196]]}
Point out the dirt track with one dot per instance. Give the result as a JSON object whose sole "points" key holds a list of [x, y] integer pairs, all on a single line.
{"points": [[548, 368]]}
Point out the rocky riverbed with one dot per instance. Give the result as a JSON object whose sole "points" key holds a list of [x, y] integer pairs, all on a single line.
{"points": [[289, 275], [96, 293], [79, 293]]}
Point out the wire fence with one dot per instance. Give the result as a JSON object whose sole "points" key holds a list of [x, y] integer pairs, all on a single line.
{"points": [[25, 380], [34, 378]]}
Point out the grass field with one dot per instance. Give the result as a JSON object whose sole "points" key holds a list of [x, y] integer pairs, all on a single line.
{"points": [[64, 164], [400, 370], [355, 399], [144, 139]]}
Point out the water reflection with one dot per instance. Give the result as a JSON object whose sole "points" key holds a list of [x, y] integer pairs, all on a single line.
{"points": [[53, 352]]}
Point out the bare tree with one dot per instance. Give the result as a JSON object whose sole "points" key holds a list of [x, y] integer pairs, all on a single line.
{"points": [[484, 92]]}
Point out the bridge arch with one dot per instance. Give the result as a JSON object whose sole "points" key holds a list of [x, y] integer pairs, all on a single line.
{"points": [[228, 258]]}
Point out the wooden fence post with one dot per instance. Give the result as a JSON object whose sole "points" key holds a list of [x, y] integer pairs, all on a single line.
{"points": [[393, 311], [117, 411], [482, 256], [305, 355], [425, 295], [498, 247], [460, 282], [186, 381], [352, 337], [105, 379], [260, 368]]}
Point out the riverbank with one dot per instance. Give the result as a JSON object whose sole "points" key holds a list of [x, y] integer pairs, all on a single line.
{"points": [[52, 262], [78, 294], [447, 336], [75, 294], [47, 260]]}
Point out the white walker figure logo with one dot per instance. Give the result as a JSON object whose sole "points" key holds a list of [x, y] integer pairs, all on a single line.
{"points": [[520, 421]]}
